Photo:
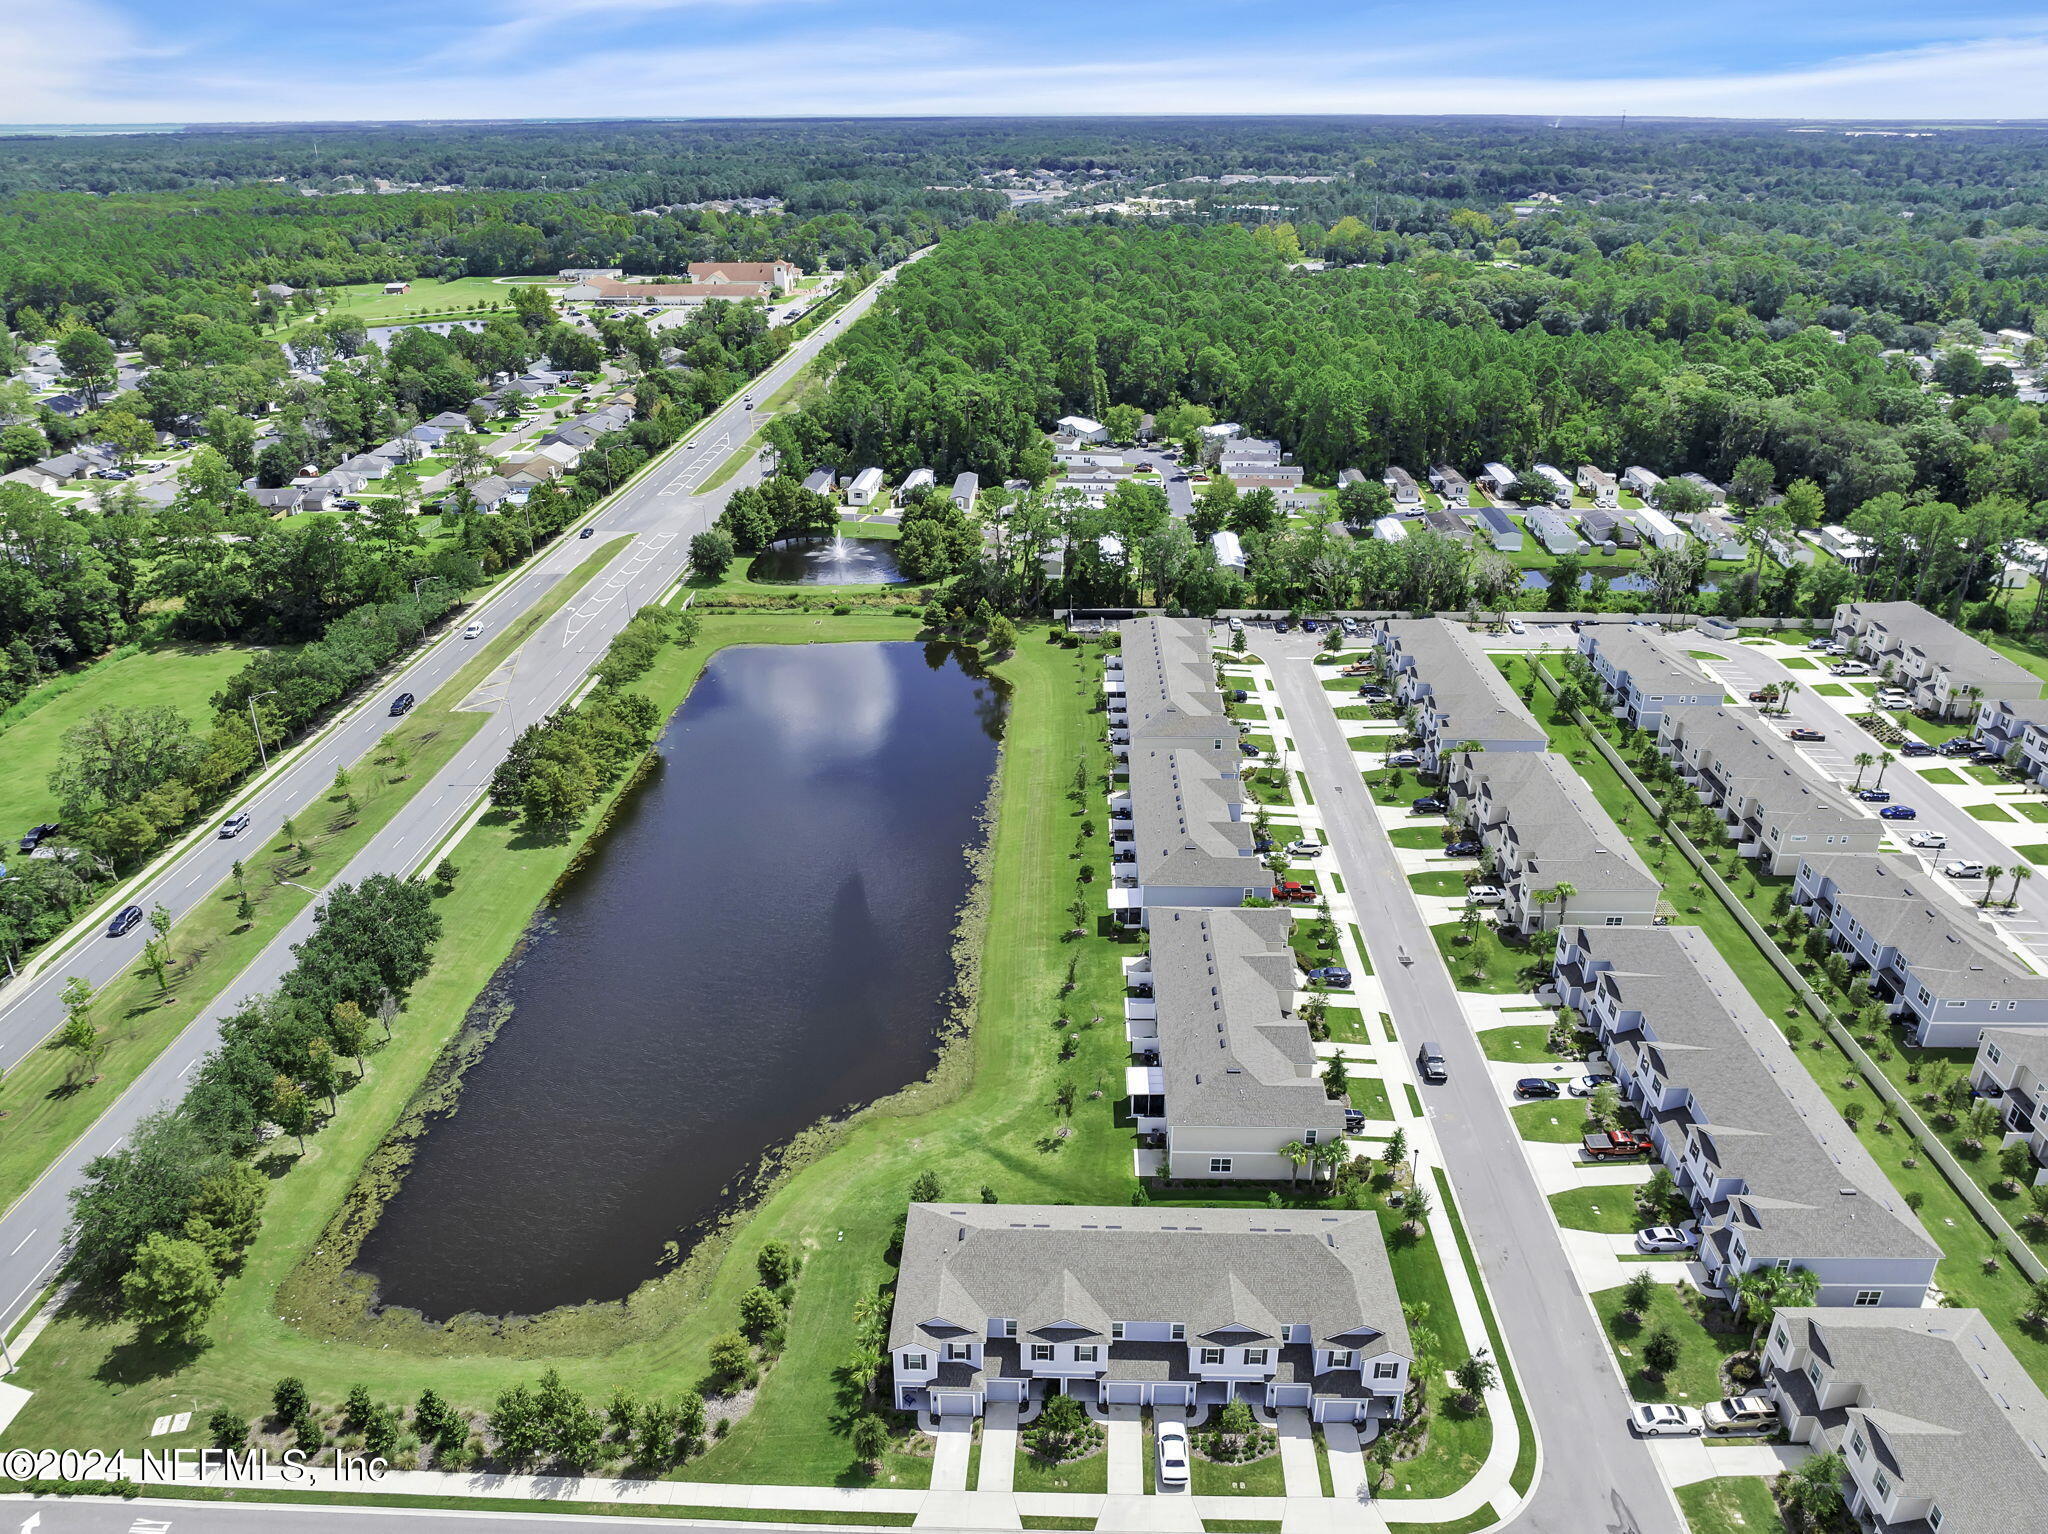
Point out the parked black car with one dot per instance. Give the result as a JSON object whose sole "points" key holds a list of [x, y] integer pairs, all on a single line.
{"points": [[1429, 806], [125, 920], [402, 704], [1463, 850], [1916, 748], [1536, 1086], [37, 834]]}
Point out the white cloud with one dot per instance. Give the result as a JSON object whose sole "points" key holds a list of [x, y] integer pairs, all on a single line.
{"points": [[55, 53]]}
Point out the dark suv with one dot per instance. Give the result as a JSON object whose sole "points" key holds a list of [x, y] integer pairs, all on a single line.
{"points": [[402, 704]]}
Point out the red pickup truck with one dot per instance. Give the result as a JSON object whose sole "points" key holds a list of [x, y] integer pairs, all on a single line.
{"points": [[1613, 1147], [1288, 889]]}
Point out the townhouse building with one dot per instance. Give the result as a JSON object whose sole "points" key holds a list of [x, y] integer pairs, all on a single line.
{"points": [[1545, 829], [1940, 969], [1774, 1175], [1642, 675], [1777, 807], [1441, 670], [1942, 669], [2011, 1069], [1161, 1307], [1940, 1429], [2016, 727], [1229, 1073]]}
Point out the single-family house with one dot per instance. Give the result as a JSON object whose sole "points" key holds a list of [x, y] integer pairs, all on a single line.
{"points": [[966, 490], [429, 436], [1643, 676], [1658, 530], [1390, 529], [1495, 478], [1534, 812], [1778, 807], [864, 487], [1940, 1429], [1939, 967], [285, 501], [63, 468], [1165, 1307], [1554, 477], [1081, 429], [1228, 1073], [1501, 530], [367, 466], [1942, 669], [1722, 537], [1450, 484], [1448, 524], [63, 404], [1553, 532], [1401, 485], [448, 420], [914, 481], [1774, 1175], [1229, 550], [820, 481], [1600, 485], [1602, 529], [397, 287], [1459, 695], [1640, 482], [1715, 495], [35, 476], [487, 494]]}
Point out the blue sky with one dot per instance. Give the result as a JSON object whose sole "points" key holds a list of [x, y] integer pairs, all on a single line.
{"points": [[113, 61]]}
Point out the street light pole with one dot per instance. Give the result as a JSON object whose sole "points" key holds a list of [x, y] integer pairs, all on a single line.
{"points": [[257, 725]]}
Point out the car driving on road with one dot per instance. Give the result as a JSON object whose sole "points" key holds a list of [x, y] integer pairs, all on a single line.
{"points": [[402, 704], [234, 825], [125, 920], [471, 630]]}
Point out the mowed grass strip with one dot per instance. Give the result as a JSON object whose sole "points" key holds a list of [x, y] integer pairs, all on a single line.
{"points": [[46, 1109]]}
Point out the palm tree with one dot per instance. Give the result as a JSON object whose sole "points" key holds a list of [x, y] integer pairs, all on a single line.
{"points": [[1785, 691], [1331, 1154], [1992, 874], [2020, 874], [1297, 1155], [1884, 760], [1864, 762], [1560, 893]]}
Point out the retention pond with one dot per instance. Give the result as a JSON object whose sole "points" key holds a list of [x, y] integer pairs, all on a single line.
{"points": [[760, 940]]}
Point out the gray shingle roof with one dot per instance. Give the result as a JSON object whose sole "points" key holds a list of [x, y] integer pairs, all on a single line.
{"points": [[1040, 1265], [1183, 795], [1745, 759], [1553, 820], [1649, 665], [1231, 1049], [1902, 907], [1946, 1408], [1170, 681], [1463, 684], [1911, 628], [1813, 1192]]}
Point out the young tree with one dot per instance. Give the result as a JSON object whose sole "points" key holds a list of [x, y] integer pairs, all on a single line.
{"points": [[1060, 1424], [1477, 1375], [1637, 1293], [776, 1264], [870, 1437], [288, 1399], [730, 1358], [1661, 1353], [227, 1430], [290, 1109], [926, 1189], [169, 1288], [760, 1311]]}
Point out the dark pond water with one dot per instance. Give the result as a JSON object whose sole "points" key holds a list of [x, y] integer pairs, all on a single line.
{"points": [[761, 940], [828, 562]]}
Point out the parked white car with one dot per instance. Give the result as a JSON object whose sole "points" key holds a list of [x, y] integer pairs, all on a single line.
{"points": [[1304, 849], [1517, 626], [1173, 1454], [1741, 1414], [1661, 1421], [1666, 1238], [1850, 668], [1962, 868], [1586, 1086], [1927, 840], [1485, 894]]}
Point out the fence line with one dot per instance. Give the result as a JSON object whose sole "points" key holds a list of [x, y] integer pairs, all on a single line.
{"points": [[1958, 1178]]}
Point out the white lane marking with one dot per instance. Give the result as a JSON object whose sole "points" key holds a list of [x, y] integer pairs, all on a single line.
{"points": [[644, 552], [24, 1241]]}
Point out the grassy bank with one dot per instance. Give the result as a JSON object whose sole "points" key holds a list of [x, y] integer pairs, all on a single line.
{"points": [[47, 1109], [987, 1118]]}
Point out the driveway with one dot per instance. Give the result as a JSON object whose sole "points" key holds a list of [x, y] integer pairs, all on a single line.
{"points": [[1597, 1476]]}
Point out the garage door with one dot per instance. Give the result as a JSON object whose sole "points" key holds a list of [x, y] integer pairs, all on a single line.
{"points": [[954, 1403], [1122, 1393]]}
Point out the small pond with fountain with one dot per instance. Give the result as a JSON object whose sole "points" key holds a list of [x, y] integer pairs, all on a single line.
{"points": [[835, 561]]}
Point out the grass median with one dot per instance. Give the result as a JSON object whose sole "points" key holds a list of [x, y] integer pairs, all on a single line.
{"points": [[45, 1100]]}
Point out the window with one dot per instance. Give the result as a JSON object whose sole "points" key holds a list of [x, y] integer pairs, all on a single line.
{"points": [[1813, 1375], [1869, 1296], [1212, 1355], [1778, 1337], [916, 1363], [1086, 1353], [1041, 1352], [1882, 1485], [1178, 1331], [1009, 1329], [1386, 1371], [1934, 1518], [1857, 1446], [959, 1350], [1614, 921], [1219, 1166], [1116, 1331], [1308, 1137], [1991, 1052], [1255, 1355], [1342, 1360]]}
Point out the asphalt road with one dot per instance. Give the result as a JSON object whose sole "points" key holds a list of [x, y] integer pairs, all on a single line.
{"points": [[662, 511], [1597, 1477]]}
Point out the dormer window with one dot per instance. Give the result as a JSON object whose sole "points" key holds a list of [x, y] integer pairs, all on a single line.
{"points": [[1177, 1332], [1116, 1331], [1857, 1446]]}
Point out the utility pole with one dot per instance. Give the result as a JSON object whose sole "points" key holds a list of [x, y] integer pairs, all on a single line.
{"points": [[257, 725]]}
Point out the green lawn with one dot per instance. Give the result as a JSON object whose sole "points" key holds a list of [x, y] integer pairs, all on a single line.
{"points": [[1348, 1026], [1697, 1377], [1934, 732], [1832, 690], [1731, 1504], [984, 1117], [1369, 1097], [1418, 838], [1269, 788], [1481, 961], [1439, 881], [454, 297], [1555, 1120], [184, 676], [1797, 663], [1988, 812], [2029, 809], [1946, 776], [1090, 1474], [1522, 1041], [1260, 1478], [2034, 852], [1990, 777], [1610, 1210]]}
